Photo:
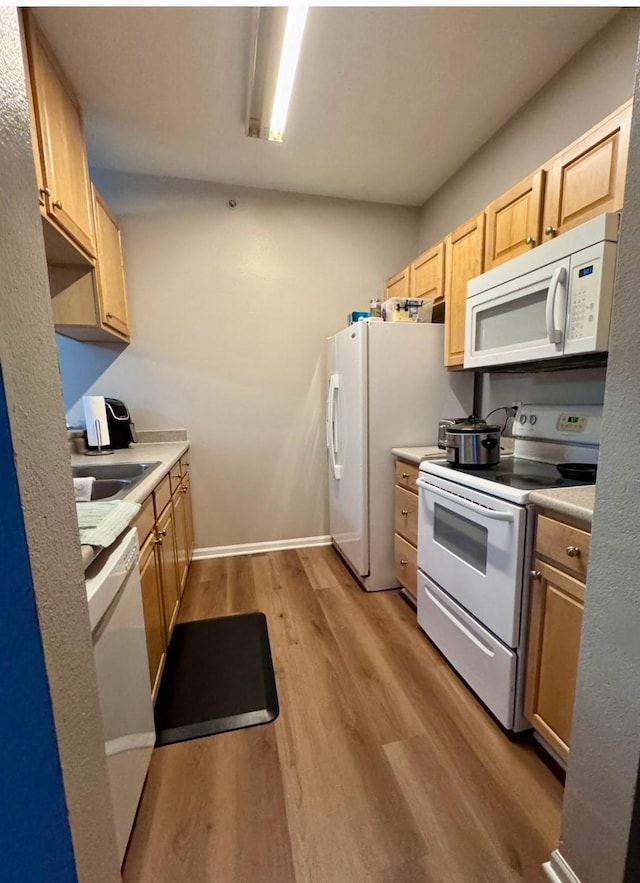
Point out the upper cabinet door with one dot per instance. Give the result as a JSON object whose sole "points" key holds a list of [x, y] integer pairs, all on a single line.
{"points": [[426, 274], [112, 299], [64, 173], [588, 177], [398, 285], [465, 259], [514, 221]]}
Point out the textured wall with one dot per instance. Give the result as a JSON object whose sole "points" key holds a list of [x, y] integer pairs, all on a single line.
{"points": [[32, 385], [605, 741], [230, 310], [596, 81]]}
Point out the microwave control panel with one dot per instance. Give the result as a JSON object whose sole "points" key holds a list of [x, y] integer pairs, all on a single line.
{"points": [[583, 309]]}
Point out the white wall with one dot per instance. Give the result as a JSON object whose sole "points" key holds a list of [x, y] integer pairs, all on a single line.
{"points": [[594, 83], [230, 310]]}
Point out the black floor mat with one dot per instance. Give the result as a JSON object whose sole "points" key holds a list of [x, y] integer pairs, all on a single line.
{"points": [[218, 676]]}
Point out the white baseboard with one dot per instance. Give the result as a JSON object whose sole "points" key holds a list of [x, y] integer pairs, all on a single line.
{"points": [[558, 871], [253, 548]]}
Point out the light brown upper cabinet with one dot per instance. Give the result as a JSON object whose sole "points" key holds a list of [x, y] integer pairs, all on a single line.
{"points": [[588, 177], [514, 221], [65, 194], [426, 274], [112, 301], [464, 249], [398, 285]]}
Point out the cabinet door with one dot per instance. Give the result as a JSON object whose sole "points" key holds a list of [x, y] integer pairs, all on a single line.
{"points": [[181, 537], [64, 172], [188, 511], [169, 568], [154, 625], [557, 602], [588, 177], [465, 259], [426, 274], [112, 300], [398, 285], [514, 221], [405, 559]]}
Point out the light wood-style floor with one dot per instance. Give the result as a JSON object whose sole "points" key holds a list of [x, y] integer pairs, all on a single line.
{"points": [[381, 768]]}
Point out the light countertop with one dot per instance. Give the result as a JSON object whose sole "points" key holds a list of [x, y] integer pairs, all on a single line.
{"points": [[417, 455], [574, 501], [164, 453]]}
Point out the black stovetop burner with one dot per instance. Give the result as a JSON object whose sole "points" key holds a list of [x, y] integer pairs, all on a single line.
{"points": [[523, 474]]}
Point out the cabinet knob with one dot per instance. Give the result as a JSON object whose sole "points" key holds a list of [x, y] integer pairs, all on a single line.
{"points": [[162, 533], [535, 574], [550, 231], [405, 475], [530, 240], [157, 542], [184, 489], [57, 204], [573, 551], [404, 512], [109, 315], [44, 191], [403, 562]]}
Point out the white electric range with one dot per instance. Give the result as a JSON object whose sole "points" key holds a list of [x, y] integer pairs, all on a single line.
{"points": [[475, 539]]}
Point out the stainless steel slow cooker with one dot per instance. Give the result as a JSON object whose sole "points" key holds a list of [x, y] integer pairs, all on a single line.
{"points": [[473, 443]]}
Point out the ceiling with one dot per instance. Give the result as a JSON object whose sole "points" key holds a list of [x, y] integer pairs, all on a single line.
{"points": [[387, 105]]}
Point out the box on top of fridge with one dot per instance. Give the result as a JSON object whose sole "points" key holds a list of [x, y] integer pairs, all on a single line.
{"points": [[402, 309]]}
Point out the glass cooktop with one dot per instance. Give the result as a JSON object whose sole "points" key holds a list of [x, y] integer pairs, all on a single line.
{"points": [[525, 475]]}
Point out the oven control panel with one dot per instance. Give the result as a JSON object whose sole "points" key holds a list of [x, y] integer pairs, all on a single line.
{"points": [[577, 423]]}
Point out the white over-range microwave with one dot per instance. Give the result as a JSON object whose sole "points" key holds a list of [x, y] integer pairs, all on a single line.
{"points": [[552, 302]]}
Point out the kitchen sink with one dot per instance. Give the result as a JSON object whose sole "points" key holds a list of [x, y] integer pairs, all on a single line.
{"points": [[113, 480]]}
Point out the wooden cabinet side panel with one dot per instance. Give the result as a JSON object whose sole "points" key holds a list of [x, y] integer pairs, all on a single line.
{"points": [[181, 538], [169, 568], [188, 511], [465, 259], [514, 221], [398, 285], [426, 274], [588, 177]]}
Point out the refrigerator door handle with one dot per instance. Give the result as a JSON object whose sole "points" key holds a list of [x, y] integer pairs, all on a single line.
{"points": [[332, 427]]}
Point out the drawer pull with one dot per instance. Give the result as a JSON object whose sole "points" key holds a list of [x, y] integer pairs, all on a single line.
{"points": [[573, 551], [405, 475], [158, 542], [535, 574], [162, 533], [404, 512], [57, 204], [184, 489], [403, 562]]}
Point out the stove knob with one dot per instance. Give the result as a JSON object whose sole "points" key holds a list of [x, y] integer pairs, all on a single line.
{"points": [[533, 419], [523, 419]]}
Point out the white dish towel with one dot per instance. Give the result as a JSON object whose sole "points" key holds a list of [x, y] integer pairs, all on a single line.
{"points": [[102, 523], [82, 488]]}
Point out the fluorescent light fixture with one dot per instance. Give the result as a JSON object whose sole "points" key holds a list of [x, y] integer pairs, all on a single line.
{"points": [[278, 35]]}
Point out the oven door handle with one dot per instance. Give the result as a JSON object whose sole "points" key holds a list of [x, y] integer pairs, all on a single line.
{"points": [[554, 334], [493, 514]]}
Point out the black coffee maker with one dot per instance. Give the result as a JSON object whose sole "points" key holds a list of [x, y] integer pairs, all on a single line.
{"points": [[122, 432]]}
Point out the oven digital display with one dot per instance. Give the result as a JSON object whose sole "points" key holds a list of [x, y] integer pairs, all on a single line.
{"points": [[585, 271], [573, 419]]}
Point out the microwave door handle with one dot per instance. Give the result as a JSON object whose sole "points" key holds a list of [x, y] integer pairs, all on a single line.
{"points": [[492, 514], [554, 334]]}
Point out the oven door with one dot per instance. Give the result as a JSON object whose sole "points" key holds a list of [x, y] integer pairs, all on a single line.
{"points": [[472, 546], [520, 320]]}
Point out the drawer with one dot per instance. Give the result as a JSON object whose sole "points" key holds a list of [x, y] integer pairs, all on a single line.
{"points": [[406, 515], [405, 559], [162, 494], [184, 462], [406, 475], [144, 520], [555, 540], [175, 477], [483, 661]]}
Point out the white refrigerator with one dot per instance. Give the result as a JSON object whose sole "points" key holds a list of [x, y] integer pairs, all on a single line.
{"points": [[387, 388]]}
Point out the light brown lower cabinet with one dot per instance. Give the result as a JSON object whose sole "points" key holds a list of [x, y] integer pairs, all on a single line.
{"points": [[555, 624], [405, 539], [153, 609], [166, 549]]}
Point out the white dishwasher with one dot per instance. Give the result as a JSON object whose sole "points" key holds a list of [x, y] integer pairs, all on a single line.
{"points": [[120, 650]]}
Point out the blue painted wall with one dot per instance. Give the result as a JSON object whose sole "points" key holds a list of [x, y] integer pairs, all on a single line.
{"points": [[35, 840]]}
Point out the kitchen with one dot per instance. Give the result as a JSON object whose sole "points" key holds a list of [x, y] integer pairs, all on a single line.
{"points": [[181, 348]]}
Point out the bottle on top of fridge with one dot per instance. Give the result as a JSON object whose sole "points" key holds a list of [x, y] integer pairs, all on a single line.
{"points": [[375, 308]]}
